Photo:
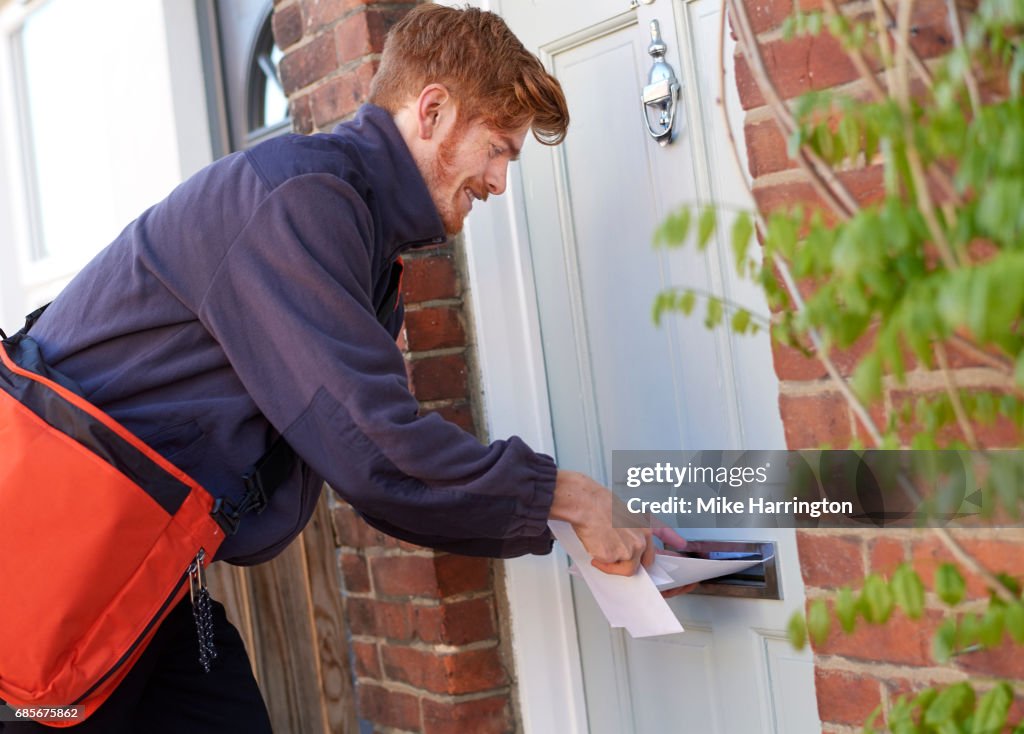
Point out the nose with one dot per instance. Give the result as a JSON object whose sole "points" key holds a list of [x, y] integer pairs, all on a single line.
{"points": [[496, 176]]}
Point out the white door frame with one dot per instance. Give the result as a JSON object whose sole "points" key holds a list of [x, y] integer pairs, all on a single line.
{"points": [[514, 384]]}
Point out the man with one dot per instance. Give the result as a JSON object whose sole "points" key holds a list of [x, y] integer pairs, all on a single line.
{"points": [[257, 301]]}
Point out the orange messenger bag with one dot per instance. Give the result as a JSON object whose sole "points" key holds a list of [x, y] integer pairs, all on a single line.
{"points": [[100, 537]]}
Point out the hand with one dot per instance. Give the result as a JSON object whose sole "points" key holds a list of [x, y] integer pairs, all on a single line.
{"points": [[589, 508], [670, 537]]}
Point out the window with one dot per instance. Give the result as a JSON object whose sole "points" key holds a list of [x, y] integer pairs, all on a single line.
{"points": [[241, 61], [96, 122], [268, 105]]}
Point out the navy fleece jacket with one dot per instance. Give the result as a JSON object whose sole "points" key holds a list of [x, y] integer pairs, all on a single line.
{"points": [[245, 304]]}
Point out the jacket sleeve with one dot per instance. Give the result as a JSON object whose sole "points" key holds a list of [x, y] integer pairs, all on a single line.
{"points": [[290, 306]]}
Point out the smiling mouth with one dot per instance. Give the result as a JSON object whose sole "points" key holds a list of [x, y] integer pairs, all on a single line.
{"points": [[472, 196]]}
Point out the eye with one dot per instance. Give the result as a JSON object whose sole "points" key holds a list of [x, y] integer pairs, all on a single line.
{"points": [[496, 151]]}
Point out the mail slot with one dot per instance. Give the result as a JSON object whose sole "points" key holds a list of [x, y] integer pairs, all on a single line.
{"points": [[760, 581]]}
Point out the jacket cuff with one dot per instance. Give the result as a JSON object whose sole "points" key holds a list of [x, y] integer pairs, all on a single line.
{"points": [[534, 508]]}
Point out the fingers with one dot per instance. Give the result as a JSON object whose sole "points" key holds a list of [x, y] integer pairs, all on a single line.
{"points": [[622, 551], [668, 536], [678, 591], [648, 555]]}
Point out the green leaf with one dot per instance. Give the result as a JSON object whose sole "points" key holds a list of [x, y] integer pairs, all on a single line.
{"points": [[673, 231], [741, 321], [867, 378], [849, 133], [742, 229], [797, 631], [968, 630], [1015, 621], [877, 599], [952, 704], [713, 317], [705, 226], [990, 714], [949, 584], [908, 591], [685, 302], [990, 633], [819, 623], [944, 642], [846, 609]]}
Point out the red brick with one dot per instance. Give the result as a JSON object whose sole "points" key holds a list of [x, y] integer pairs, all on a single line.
{"points": [[341, 96], [355, 573], [460, 413], [352, 531], [844, 697], [434, 328], [796, 66], [430, 279], [1002, 433], [363, 33], [866, 185], [766, 149], [997, 556], [388, 708], [304, 65], [456, 623], [469, 671], [767, 14], [792, 364], [813, 421], [404, 576], [899, 640], [320, 13], [367, 659], [302, 113], [288, 25], [885, 554], [830, 561], [461, 574], [1004, 662], [373, 617], [480, 716], [439, 378], [807, 63]]}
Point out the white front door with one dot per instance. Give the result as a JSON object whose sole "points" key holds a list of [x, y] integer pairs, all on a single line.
{"points": [[583, 221]]}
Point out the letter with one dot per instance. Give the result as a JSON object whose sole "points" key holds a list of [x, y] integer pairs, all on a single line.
{"points": [[700, 474], [680, 476], [705, 505], [762, 474], [629, 505], [647, 474], [633, 477], [758, 502]]}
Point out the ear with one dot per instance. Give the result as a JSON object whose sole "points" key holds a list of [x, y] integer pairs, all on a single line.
{"points": [[433, 108]]}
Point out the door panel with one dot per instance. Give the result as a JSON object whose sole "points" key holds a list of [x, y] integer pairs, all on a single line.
{"points": [[615, 381]]}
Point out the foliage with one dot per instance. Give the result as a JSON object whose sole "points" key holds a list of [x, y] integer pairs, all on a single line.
{"points": [[952, 709], [930, 269], [935, 265]]}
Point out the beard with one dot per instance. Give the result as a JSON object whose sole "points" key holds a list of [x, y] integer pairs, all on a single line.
{"points": [[440, 182]]}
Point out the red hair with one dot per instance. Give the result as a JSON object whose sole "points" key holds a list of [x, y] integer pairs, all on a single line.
{"points": [[488, 71]]}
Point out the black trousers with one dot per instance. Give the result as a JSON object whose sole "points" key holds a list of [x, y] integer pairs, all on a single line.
{"points": [[168, 692]]}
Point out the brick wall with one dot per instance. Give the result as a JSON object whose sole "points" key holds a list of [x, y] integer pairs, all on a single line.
{"points": [[428, 654], [855, 673]]}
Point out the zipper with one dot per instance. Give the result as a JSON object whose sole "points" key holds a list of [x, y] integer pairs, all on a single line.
{"points": [[194, 568]]}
